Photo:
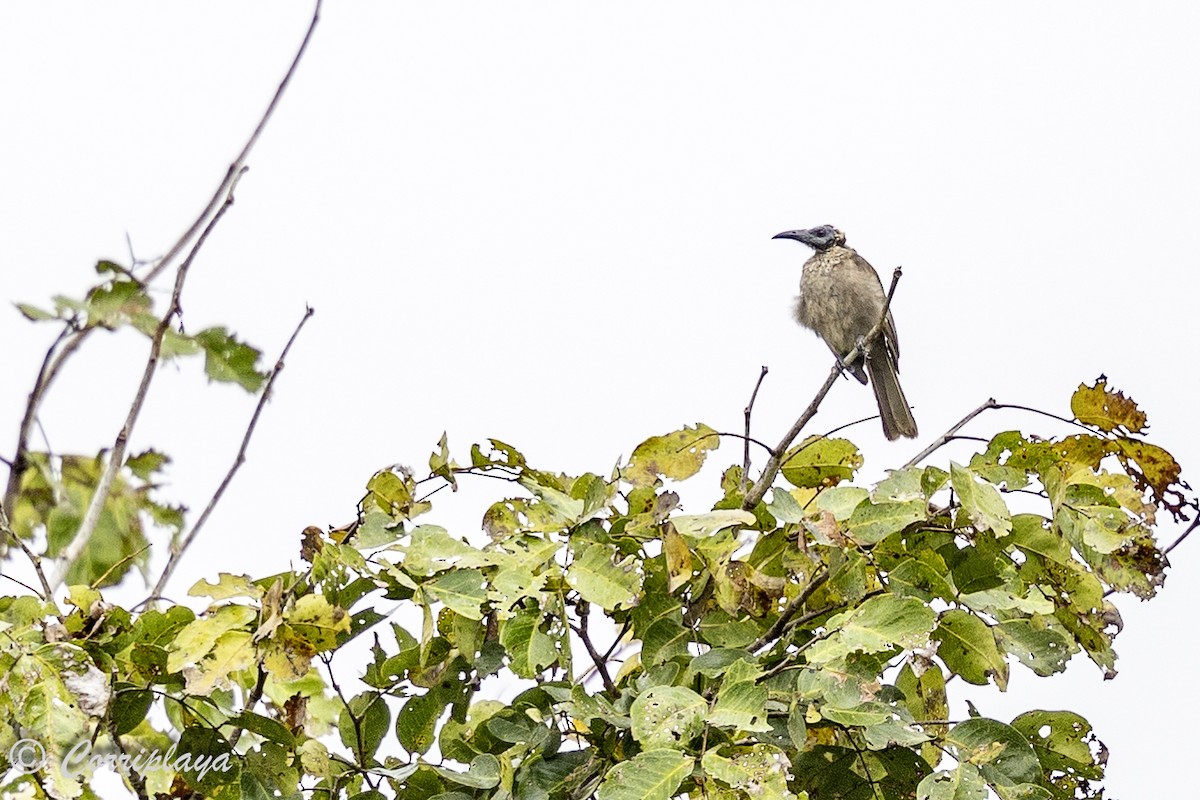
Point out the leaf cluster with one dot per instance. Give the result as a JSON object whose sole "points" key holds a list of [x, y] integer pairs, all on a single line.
{"points": [[799, 647]]}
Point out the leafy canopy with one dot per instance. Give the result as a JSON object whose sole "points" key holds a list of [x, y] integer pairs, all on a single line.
{"points": [[799, 647]]}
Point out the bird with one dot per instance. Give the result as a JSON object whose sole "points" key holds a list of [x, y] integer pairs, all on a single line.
{"points": [[841, 300]]}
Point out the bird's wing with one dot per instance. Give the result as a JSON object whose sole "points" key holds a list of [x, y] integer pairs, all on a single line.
{"points": [[889, 337]]}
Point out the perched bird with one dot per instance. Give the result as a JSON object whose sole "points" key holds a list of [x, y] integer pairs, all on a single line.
{"points": [[841, 300]]}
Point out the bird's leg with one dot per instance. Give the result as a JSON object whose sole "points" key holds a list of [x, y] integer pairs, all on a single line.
{"points": [[861, 345], [843, 364]]}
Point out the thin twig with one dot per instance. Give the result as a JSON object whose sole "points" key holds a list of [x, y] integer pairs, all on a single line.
{"points": [[44, 377], [116, 458], [746, 412], [769, 472], [612, 648], [251, 701], [100, 581], [178, 550], [239, 163], [597, 659], [34, 558], [948, 436], [1182, 536], [55, 361], [135, 778], [776, 630]]}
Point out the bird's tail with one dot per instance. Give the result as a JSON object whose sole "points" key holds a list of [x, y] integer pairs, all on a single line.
{"points": [[893, 407]]}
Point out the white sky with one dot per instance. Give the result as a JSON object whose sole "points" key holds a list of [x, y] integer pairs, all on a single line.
{"points": [[551, 223]]}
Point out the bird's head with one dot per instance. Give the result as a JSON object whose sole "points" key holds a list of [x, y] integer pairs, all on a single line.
{"points": [[819, 238]]}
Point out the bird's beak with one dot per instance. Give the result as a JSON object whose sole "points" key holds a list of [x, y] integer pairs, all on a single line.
{"points": [[799, 236]]}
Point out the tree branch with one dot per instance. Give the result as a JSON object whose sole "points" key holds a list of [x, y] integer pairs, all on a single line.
{"points": [[775, 461], [54, 362], [116, 458], [1195, 524], [949, 435], [46, 374], [584, 608], [239, 163], [746, 412], [178, 550], [776, 630]]}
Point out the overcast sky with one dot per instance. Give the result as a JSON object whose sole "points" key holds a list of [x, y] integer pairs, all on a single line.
{"points": [[551, 223]]}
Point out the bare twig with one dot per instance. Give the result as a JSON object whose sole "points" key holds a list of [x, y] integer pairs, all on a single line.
{"points": [[612, 648], [949, 435], [746, 412], [178, 550], [255, 695], [776, 630], [1195, 524], [135, 778], [10, 535], [774, 462], [45, 376], [239, 163], [56, 358], [117, 456], [601, 667]]}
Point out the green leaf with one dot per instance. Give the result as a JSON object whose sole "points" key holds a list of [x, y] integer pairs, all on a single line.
{"points": [[650, 775], [667, 716], [872, 522], [461, 590], [783, 506], [879, 624], [198, 638], [702, 526], [484, 773], [677, 455], [819, 462], [841, 501], [129, 708], [1044, 649], [981, 501], [229, 361], [1066, 747], [968, 649], [33, 313], [741, 701], [601, 579], [373, 718], [530, 648], [925, 699], [757, 770], [1002, 754], [212, 762], [265, 727], [961, 783], [1036, 537]]}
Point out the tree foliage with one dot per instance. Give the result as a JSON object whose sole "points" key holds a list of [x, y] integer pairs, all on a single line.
{"points": [[798, 647], [797, 639]]}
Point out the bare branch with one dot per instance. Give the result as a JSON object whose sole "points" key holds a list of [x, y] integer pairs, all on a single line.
{"points": [[949, 435], [775, 461], [776, 630], [239, 163], [117, 456], [56, 358], [51, 363], [9, 535], [601, 667], [1195, 524], [746, 412], [178, 550]]}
